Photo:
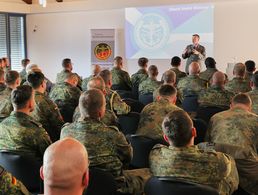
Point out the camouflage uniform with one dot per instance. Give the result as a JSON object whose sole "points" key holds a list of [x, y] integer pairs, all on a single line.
{"points": [[215, 96], [254, 96], [237, 85], [66, 97], [152, 116], [248, 75], [107, 148], [115, 104], [207, 74], [22, 134], [148, 86], [49, 85], [210, 168], [121, 78], [109, 118], [236, 127], [60, 77], [85, 82], [47, 113], [191, 85], [5, 102], [179, 74], [2, 87], [138, 77], [9, 185], [23, 75]]}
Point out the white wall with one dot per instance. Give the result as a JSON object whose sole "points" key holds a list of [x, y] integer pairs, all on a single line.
{"points": [[67, 34]]}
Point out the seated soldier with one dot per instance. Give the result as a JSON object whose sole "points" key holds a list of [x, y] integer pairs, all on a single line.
{"points": [[12, 80], [2, 82], [183, 160], [250, 68], [95, 71], [120, 78], [150, 84], [19, 132], [153, 114], [109, 118], [254, 93], [23, 73], [216, 95], [65, 168], [66, 95], [210, 64], [107, 147], [238, 84], [175, 63], [46, 111], [141, 74], [10, 185], [192, 84]]}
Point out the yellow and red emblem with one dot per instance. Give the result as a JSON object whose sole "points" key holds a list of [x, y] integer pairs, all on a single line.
{"points": [[102, 51]]}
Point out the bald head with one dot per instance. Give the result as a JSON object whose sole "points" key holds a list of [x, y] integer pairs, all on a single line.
{"points": [[169, 77], [218, 78], [239, 70], [96, 83], [194, 68], [65, 167]]}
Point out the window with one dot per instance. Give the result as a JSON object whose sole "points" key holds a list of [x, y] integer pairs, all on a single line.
{"points": [[12, 39]]}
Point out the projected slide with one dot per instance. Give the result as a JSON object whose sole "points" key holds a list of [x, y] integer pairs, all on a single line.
{"points": [[163, 32]]}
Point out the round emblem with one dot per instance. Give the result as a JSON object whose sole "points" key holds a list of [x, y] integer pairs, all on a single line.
{"points": [[102, 51], [151, 32]]}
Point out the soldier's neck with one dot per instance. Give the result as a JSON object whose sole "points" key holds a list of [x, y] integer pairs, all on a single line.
{"points": [[23, 110]]}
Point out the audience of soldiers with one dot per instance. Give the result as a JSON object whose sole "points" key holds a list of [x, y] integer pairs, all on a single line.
{"points": [[73, 126]]}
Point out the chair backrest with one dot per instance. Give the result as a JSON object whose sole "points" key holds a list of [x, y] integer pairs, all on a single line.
{"points": [[201, 128], [141, 149], [101, 182], [129, 122], [124, 94], [135, 105], [24, 168], [206, 112], [190, 103], [146, 98], [171, 186]]}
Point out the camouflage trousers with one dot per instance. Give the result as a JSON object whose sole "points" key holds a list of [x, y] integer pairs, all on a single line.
{"points": [[133, 181]]}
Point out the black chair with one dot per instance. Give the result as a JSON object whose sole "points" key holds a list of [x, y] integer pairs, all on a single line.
{"points": [[24, 168], [121, 87], [125, 94], [101, 182], [172, 186], [146, 98], [141, 149], [190, 103], [129, 122], [135, 105], [206, 112], [201, 128]]}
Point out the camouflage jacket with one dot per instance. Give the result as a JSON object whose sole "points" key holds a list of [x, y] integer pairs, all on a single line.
{"points": [[207, 74], [115, 104], [179, 74], [5, 102], [107, 147], [215, 96], [2, 87], [121, 78], [9, 185], [236, 127], [211, 168], [47, 113], [238, 85], [254, 97], [23, 75], [85, 82], [22, 134], [248, 75], [152, 116], [148, 86], [138, 77], [60, 77], [191, 85]]}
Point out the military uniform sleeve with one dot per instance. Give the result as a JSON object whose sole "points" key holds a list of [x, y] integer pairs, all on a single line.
{"points": [[119, 106], [43, 141], [128, 80]]}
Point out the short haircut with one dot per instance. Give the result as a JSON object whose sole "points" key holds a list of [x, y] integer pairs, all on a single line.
{"points": [[4, 59], [254, 79], [210, 62], [91, 102], [70, 76], [32, 67], [11, 77], [169, 76], [105, 75], [177, 126], [25, 62], [35, 79], [142, 61], [96, 83], [118, 60], [66, 62], [175, 61], [153, 70], [239, 69], [242, 98], [21, 95], [196, 35], [250, 65], [167, 90]]}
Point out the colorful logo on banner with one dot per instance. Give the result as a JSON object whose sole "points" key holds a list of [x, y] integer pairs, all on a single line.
{"points": [[102, 51]]}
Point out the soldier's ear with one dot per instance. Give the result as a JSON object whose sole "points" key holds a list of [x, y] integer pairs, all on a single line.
{"points": [[165, 138], [85, 179], [194, 134], [41, 173]]}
